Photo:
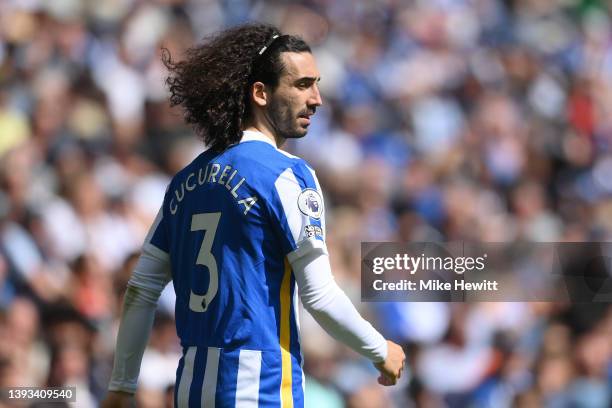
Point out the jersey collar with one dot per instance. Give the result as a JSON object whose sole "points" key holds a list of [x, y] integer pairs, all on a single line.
{"points": [[249, 135]]}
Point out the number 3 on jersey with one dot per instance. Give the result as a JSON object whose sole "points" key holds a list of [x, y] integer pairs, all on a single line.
{"points": [[207, 222]]}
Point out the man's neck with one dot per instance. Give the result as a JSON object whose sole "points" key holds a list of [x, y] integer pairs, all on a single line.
{"points": [[264, 130]]}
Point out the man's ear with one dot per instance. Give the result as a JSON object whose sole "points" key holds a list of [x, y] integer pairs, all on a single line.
{"points": [[259, 94]]}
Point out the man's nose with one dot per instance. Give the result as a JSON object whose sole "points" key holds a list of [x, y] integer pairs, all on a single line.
{"points": [[315, 97]]}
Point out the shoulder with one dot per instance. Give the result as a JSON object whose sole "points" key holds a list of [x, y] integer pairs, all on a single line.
{"points": [[297, 190], [201, 160], [303, 173], [266, 162]]}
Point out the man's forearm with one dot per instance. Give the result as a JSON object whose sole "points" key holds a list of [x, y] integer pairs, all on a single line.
{"points": [[134, 331], [332, 309], [149, 278]]}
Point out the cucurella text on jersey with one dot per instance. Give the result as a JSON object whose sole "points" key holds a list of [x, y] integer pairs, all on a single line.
{"points": [[231, 223], [210, 174]]}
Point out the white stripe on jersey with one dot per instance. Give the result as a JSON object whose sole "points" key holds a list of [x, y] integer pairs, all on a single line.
{"points": [[247, 387], [289, 155], [209, 389], [148, 246], [316, 180], [289, 190], [186, 378], [156, 222]]}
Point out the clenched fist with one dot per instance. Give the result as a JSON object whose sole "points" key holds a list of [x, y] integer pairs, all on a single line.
{"points": [[391, 369]]}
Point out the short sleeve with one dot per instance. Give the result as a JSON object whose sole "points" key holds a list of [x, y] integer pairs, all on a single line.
{"points": [[157, 237], [152, 270], [298, 211]]}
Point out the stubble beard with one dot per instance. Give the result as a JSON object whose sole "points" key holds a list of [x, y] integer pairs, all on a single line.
{"points": [[284, 123]]}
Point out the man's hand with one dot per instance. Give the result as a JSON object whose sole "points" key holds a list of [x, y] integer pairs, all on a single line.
{"points": [[391, 369], [118, 399]]}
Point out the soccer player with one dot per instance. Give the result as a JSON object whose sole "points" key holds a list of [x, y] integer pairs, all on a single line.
{"points": [[240, 233]]}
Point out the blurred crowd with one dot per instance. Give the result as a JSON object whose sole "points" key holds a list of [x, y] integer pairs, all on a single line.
{"points": [[443, 120]]}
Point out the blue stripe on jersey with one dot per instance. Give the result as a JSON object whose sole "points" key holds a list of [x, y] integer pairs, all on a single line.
{"points": [[195, 391], [179, 373], [270, 380], [227, 379]]}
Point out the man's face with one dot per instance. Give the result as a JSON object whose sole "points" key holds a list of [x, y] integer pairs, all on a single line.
{"points": [[297, 96]]}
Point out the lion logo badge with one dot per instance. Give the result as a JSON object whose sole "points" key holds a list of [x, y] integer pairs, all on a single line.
{"points": [[310, 203]]}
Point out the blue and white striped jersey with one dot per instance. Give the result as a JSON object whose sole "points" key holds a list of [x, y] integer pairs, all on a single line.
{"points": [[230, 225]]}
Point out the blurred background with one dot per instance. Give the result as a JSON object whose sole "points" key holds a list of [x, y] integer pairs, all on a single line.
{"points": [[443, 120]]}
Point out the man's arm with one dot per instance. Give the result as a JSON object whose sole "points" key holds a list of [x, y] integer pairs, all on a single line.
{"points": [[297, 208], [150, 276], [333, 310]]}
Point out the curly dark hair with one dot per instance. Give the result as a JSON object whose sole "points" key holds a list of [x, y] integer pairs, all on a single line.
{"points": [[212, 83]]}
